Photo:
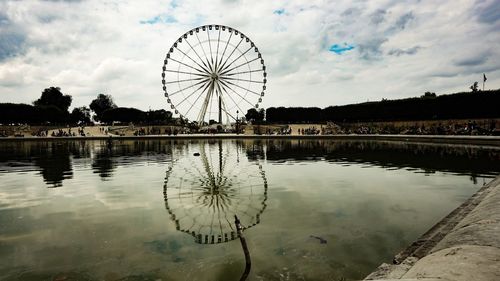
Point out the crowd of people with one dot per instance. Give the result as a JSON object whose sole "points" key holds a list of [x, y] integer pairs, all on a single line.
{"points": [[158, 131], [63, 133], [450, 128], [445, 127], [66, 133], [311, 131], [279, 131]]}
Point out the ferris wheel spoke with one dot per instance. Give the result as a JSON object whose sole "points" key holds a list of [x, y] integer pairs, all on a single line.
{"points": [[206, 70], [229, 95], [190, 95], [242, 72], [243, 88], [201, 71], [210, 46], [235, 48], [225, 48], [242, 54], [245, 80], [198, 55], [201, 93], [194, 85], [183, 72], [238, 66], [185, 80], [203, 49], [217, 52]]}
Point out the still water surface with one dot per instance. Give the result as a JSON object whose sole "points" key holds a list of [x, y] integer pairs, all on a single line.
{"points": [[164, 210]]}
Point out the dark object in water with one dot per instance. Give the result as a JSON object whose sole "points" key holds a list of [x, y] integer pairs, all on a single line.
{"points": [[248, 261], [110, 142], [321, 240], [196, 154]]}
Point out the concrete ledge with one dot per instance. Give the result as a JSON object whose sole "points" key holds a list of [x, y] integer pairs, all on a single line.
{"points": [[481, 227], [461, 263]]}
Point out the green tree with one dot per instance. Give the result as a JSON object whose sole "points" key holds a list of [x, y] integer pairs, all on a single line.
{"points": [[54, 97], [101, 104], [161, 116], [254, 115], [124, 115], [80, 115]]}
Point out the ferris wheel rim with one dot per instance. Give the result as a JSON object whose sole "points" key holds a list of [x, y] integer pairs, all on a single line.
{"points": [[220, 76]]}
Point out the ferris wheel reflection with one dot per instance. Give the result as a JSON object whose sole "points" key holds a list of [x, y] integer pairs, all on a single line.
{"points": [[207, 184]]}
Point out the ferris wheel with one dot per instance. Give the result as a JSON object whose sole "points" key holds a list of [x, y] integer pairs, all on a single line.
{"points": [[213, 72]]}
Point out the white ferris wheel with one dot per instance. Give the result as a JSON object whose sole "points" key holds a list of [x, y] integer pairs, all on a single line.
{"points": [[213, 72]]}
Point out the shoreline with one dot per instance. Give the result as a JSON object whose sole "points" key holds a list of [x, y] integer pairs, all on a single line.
{"points": [[442, 139]]}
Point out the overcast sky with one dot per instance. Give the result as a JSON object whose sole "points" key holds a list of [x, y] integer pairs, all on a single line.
{"points": [[317, 53]]}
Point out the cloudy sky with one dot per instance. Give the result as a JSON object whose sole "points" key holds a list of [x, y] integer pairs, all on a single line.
{"points": [[317, 53]]}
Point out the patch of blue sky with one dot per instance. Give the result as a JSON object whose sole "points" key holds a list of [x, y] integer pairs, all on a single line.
{"points": [[11, 45], [279, 12], [339, 49], [199, 20], [159, 19], [174, 4]]}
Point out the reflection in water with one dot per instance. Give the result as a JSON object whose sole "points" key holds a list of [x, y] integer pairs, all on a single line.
{"points": [[204, 193], [55, 164], [102, 163], [55, 159], [429, 158]]}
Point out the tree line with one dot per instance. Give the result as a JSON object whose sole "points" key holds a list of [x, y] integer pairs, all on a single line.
{"points": [[52, 108], [483, 104]]}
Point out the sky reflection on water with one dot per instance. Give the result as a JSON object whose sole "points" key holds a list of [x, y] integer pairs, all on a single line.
{"points": [[87, 211]]}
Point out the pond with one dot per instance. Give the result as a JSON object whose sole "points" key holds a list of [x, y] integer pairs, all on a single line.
{"points": [[164, 209]]}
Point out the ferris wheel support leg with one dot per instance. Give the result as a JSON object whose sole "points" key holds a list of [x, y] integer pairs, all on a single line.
{"points": [[225, 111], [205, 104]]}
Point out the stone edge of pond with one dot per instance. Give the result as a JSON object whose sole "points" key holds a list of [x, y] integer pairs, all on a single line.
{"points": [[445, 139], [464, 245]]}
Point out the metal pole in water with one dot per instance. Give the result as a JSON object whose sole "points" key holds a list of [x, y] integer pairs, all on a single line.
{"points": [[248, 262]]}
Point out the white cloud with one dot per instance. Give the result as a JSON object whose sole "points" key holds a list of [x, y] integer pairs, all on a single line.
{"points": [[400, 49]]}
